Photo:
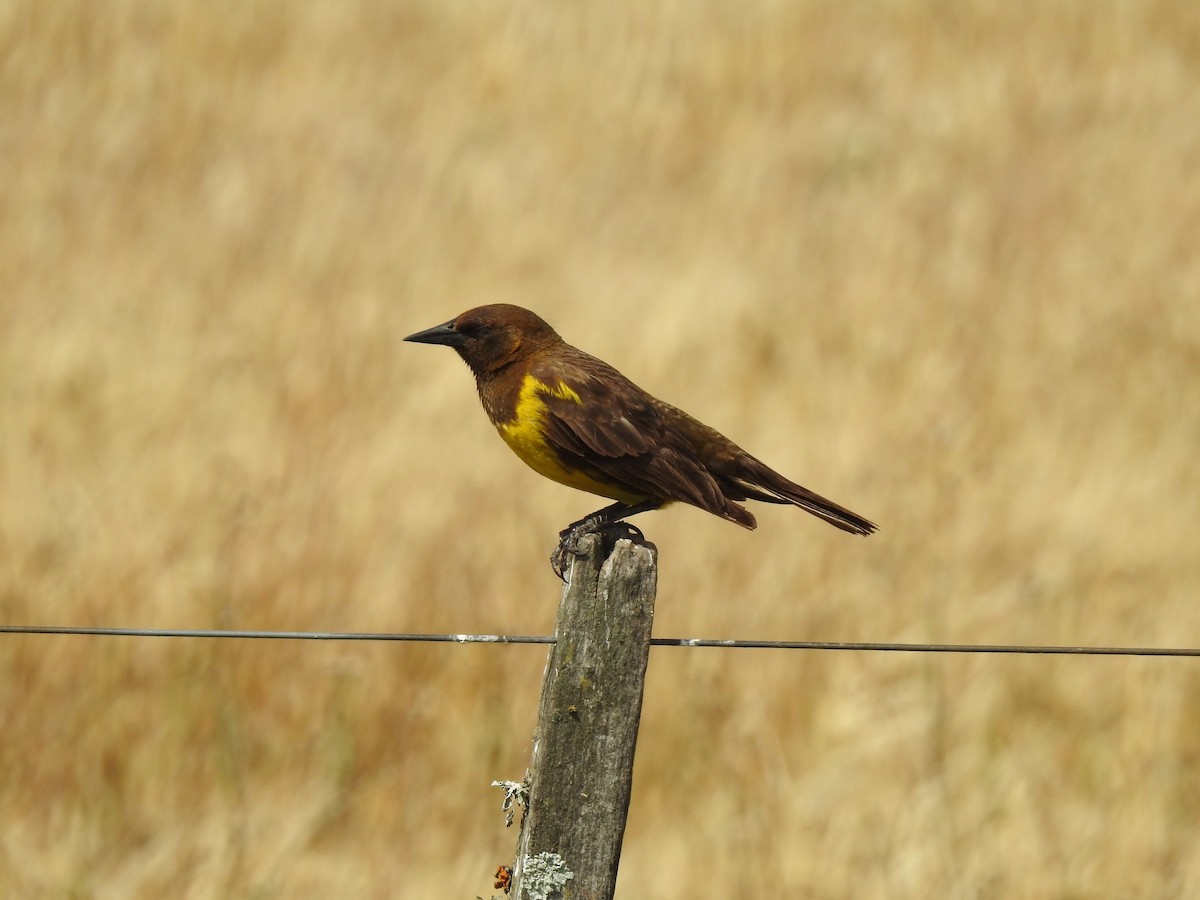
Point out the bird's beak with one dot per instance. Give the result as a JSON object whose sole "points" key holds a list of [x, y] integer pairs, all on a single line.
{"points": [[439, 334]]}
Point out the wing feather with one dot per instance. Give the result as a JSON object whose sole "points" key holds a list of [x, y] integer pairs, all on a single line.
{"points": [[619, 434]]}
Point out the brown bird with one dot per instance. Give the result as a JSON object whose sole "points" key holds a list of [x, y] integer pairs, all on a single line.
{"points": [[577, 420]]}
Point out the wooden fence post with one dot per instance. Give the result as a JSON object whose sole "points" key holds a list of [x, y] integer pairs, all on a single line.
{"points": [[582, 770]]}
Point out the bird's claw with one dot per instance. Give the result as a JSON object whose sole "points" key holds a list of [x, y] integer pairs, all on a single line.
{"points": [[568, 547], [560, 559], [568, 541]]}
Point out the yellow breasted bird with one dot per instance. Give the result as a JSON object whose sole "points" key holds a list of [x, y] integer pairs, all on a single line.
{"points": [[577, 420]]}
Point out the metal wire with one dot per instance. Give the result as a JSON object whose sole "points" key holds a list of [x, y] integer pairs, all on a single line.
{"points": [[281, 635], [657, 642]]}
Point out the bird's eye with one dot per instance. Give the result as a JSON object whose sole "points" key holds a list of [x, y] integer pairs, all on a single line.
{"points": [[473, 329]]}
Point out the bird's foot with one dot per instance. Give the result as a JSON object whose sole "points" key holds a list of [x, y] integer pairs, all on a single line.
{"points": [[610, 533]]}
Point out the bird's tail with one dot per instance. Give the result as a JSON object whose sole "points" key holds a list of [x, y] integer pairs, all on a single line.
{"points": [[759, 482]]}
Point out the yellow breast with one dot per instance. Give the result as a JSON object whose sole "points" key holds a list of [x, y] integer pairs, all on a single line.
{"points": [[524, 433]]}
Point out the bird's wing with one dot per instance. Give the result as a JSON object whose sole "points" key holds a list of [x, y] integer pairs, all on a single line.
{"points": [[594, 411], [611, 428], [605, 435]]}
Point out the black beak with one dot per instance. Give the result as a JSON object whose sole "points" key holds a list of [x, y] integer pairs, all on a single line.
{"points": [[439, 334]]}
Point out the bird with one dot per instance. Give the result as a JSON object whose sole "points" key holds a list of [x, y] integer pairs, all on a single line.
{"points": [[576, 420]]}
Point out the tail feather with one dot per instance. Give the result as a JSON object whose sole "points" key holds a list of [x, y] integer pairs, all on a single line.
{"points": [[755, 478]]}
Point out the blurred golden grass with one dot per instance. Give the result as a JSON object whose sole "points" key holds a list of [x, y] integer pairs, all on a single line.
{"points": [[935, 260]]}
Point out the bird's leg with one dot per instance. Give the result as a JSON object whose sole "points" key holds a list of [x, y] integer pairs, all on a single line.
{"points": [[607, 516], [602, 520]]}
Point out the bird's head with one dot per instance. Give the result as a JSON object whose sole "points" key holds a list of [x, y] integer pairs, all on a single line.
{"points": [[488, 338]]}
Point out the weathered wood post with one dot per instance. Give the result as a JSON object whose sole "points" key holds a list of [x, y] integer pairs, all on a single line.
{"points": [[582, 770]]}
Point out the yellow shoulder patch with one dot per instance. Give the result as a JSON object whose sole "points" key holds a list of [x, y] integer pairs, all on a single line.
{"points": [[532, 386]]}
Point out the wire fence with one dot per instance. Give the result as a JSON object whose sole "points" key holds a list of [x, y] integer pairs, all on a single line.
{"points": [[869, 646]]}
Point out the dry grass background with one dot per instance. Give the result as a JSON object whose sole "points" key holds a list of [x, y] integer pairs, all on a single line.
{"points": [[937, 260]]}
